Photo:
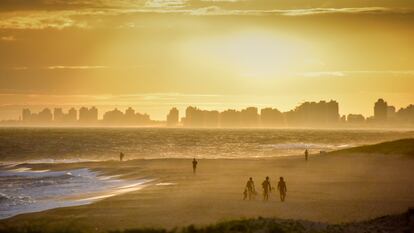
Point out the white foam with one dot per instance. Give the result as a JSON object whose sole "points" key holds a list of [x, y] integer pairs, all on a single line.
{"points": [[165, 184], [23, 190]]}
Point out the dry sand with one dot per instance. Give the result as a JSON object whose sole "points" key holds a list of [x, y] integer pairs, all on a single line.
{"points": [[331, 189]]}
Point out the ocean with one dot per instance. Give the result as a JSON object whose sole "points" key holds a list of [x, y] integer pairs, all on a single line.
{"points": [[24, 190], [78, 144]]}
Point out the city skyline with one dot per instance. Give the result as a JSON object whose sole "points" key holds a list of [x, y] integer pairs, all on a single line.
{"points": [[315, 114], [153, 54], [17, 112]]}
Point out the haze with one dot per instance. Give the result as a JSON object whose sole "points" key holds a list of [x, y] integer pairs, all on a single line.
{"points": [[214, 54]]}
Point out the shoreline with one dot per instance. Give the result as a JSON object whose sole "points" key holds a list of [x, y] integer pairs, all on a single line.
{"points": [[215, 193]]}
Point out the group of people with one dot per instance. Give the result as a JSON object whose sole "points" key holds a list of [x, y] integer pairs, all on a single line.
{"points": [[250, 190]]}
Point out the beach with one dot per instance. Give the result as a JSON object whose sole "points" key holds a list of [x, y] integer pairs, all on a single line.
{"points": [[327, 188]]}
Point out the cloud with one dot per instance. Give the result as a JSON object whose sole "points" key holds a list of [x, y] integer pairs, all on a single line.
{"points": [[215, 10], [165, 3], [40, 20], [75, 67], [324, 74], [357, 72], [92, 17], [59, 67], [19, 68], [8, 38]]}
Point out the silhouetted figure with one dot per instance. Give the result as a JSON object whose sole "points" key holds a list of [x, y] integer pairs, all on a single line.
{"points": [[250, 190], [121, 156], [306, 154], [267, 188], [194, 165], [281, 186]]}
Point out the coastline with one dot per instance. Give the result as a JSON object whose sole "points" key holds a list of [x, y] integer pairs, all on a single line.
{"points": [[330, 189]]}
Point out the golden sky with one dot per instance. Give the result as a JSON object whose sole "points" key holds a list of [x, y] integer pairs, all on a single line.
{"points": [[215, 54]]}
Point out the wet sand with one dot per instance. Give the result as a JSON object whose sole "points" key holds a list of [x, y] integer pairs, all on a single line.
{"points": [[330, 189]]}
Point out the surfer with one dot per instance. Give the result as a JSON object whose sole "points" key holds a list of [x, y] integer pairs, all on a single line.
{"points": [[121, 156]]}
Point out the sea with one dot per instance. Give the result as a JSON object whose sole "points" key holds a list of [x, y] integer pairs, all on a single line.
{"points": [[24, 190]]}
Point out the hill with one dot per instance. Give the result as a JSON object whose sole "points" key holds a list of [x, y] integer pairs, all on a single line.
{"points": [[398, 147]]}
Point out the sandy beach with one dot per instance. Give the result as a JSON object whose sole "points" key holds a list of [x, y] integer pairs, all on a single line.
{"points": [[331, 189]]}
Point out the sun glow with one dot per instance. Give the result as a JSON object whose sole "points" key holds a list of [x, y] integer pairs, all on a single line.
{"points": [[258, 55]]}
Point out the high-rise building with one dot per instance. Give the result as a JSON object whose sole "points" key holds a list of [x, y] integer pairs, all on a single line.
{"points": [[194, 117], [380, 110], [115, 117], [249, 117], [391, 112], [58, 115], [172, 117], [130, 116], [142, 119], [26, 115], [406, 115], [72, 115], [211, 119], [93, 114], [320, 113], [45, 116], [355, 119], [83, 114], [271, 117], [230, 118], [88, 115]]}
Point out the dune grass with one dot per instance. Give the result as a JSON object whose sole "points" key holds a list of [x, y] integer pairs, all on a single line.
{"points": [[398, 147], [390, 223]]}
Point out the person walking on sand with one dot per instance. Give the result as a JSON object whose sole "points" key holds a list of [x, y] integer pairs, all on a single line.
{"points": [[267, 188], [306, 154], [250, 189], [121, 156], [194, 165], [281, 186]]}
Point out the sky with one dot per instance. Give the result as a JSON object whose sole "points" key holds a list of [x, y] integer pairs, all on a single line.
{"points": [[153, 55]]}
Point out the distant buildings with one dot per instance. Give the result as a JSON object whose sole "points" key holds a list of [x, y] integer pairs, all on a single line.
{"points": [[355, 119], [380, 110], [314, 114], [26, 115], [271, 117], [72, 116], [249, 117], [58, 115], [195, 117], [406, 115], [87, 116], [44, 116], [230, 118], [116, 117], [173, 117], [307, 114]]}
